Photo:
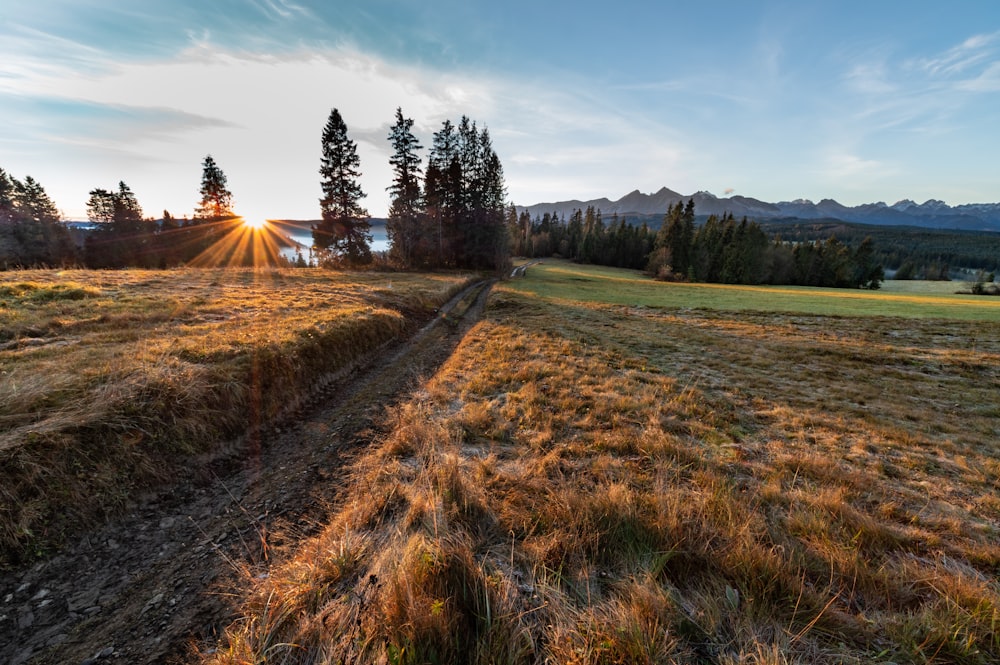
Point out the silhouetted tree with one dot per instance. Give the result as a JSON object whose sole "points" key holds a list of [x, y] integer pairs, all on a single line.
{"points": [[344, 228], [122, 238], [31, 232], [465, 196], [405, 210], [216, 199]]}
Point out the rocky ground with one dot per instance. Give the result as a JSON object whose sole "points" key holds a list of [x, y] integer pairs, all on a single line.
{"points": [[165, 579]]}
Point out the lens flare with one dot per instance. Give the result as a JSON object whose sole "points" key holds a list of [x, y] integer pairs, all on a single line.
{"points": [[241, 242]]}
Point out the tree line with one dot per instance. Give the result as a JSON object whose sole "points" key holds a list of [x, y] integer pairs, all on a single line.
{"points": [[914, 253], [450, 215], [720, 250], [30, 229]]}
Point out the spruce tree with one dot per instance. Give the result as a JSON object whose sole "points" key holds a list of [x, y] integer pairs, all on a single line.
{"points": [[36, 233], [216, 199], [442, 193], [405, 211], [344, 227]]}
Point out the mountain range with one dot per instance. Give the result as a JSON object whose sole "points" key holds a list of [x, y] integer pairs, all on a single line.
{"points": [[929, 214]]}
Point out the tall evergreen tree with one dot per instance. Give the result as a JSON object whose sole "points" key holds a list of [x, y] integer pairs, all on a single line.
{"points": [[443, 192], [344, 228], [487, 242], [216, 200], [405, 211], [33, 202]]}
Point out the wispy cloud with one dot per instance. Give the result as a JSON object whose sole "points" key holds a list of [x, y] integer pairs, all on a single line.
{"points": [[849, 168], [281, 8], [988, 80], [870, 78], [261, 115], [959, 59]]}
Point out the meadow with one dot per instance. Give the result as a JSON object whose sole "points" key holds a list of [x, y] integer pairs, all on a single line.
{"points": [[113, 380], [615, 470]]}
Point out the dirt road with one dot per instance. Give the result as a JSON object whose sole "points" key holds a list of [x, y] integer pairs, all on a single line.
{"points": [[146, 588]]}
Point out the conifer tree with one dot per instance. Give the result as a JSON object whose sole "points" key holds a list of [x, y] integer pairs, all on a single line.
{"points": [[6, 198], [216, 200], [405, 211], [344, 228], [122, 238], [32, 233], [442, 192]]}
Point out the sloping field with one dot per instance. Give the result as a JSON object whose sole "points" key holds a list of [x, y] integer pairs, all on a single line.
{"points": [[110, 380], [632, 475]]}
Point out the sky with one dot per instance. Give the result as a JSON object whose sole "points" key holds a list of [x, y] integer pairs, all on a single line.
{"points": [[776, 100]]}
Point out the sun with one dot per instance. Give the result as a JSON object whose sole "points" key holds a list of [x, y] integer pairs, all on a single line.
{"points": [[255, 224]]}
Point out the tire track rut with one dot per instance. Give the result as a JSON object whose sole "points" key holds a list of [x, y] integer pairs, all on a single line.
{"points": [[148, 587]]}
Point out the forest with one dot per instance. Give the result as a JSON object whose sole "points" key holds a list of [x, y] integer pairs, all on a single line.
{"points": [[720, 250]]}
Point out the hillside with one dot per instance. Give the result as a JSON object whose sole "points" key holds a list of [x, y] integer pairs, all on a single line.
{"points": [[114, 380], [930, 214]]}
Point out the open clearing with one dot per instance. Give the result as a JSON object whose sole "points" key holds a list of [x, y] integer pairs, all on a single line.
{"points": [[612, 470]]}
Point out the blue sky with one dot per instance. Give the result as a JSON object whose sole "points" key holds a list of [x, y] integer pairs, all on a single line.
{"points": [[857, 101]]}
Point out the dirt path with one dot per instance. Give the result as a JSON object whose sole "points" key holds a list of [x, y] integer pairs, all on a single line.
{"points": [[148, 587]]}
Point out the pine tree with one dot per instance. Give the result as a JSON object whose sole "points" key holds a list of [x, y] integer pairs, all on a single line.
{"points": [[7, 194], [122, 238], [35, 233], [405, 211], [442, 192], [344, 228], [216, 199]]}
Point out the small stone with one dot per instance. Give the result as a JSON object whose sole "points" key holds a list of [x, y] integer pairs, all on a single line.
{"points": [[167, 522], [9, 597], [112, 544], [26, 620], [23, 587], [41, 594], [106, 652]]}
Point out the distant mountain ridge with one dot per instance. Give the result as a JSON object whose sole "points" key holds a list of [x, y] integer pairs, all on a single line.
{"points": [[930, 214]]}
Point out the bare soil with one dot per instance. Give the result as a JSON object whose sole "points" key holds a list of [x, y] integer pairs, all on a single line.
{"points": [[164, 580]]}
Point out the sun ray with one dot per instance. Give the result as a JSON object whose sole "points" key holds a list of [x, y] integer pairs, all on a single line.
{"points": [[243, 243]]}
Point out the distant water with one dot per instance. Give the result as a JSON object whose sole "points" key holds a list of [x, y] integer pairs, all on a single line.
{"points": [[380, 242]]}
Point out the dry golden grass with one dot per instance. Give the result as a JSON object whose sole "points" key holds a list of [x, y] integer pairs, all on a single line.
{"points": [[589, 483], [107, 377]]}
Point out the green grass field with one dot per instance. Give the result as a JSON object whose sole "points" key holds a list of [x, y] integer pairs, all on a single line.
{"points": [[569, 281]]}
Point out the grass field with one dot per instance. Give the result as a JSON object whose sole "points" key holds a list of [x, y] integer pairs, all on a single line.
{"points": [[613, 470], [570, 281], [108, 379]]}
